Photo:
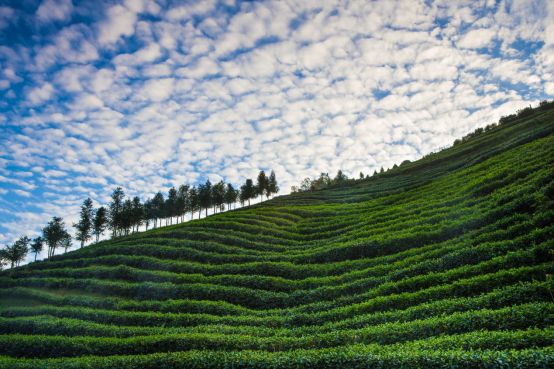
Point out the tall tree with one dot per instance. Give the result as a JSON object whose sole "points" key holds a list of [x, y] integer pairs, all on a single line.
{"points": [[205, 196], [272, 186], [54, 233], [158, 205], [137, 213], [262, 184], [37, 245], [247, 191], [85, 225], [182, 201], [218, 195], [171, 204], [126, 217], [100, 222], [116, 210], [231, 195], [148, 213], [194, 202]]}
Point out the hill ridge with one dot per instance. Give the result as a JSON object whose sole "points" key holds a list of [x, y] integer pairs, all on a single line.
{"points": [[441, 262]]}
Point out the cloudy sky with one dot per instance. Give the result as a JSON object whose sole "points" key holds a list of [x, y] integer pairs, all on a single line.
{"points": [[149, 94]]}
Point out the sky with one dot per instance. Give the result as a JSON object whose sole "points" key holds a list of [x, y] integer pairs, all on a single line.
{"points": [[150, 94]]}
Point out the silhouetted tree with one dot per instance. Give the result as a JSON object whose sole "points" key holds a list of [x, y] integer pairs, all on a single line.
{"points": [[148, 213], [158, 203], [231, 195], [137, 213], [116, 210], [340, 178], [247, 191], [261, 184], [183, 201], [100, 222], [126, 217], [171, 205], [37, 245], [218, 195], [85, 225], [194, 202], [272, 186], [53, 234], [205, 196], [16, 252]]}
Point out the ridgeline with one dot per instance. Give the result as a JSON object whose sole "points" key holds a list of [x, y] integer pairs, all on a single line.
{"points": [[444, 262]]}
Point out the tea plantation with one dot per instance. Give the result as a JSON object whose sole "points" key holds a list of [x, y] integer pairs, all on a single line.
{"points": [[445, 262]]}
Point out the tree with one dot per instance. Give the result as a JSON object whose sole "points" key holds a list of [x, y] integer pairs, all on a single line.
{"points": [[272, 186], [16, 252], [231, 195], [171, 204], [247, 191], [116, 210], [158, 203], [54, 233], [66, 243], [194, 202], [148, 213], [262, 184], [100, 222], [183, 201], [362, 175], [340, 178], [218, 195], [37, 245], [85, 225], [126, 217], [205, 196], [137, 213]]}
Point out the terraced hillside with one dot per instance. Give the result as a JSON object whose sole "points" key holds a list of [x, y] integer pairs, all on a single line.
{"points": [[440, 263]]}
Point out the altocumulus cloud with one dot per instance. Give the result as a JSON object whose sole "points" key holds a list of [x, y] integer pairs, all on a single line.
{"points": [[149, 94]]}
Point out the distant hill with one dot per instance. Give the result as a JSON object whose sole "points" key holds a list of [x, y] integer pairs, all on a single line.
{"points": [[444, 262]]}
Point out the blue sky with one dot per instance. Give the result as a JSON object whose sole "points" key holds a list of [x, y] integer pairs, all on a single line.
{"points": [[150, 94]]}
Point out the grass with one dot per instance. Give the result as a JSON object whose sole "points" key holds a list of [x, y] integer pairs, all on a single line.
{"points": [[442, 262]]}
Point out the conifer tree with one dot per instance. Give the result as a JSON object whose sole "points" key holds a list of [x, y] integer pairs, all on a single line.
{"points": [[272, 186], [85, 225], [247, 191], [100, 222], [231, 195], [116, 210], [194, 202], [158, 203], [205, 196], [262, 184]]}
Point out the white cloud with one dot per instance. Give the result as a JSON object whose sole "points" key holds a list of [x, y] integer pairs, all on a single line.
{"points": [[120, 22], [54, 10], [196, 91], [40, 94], [477, 38]]}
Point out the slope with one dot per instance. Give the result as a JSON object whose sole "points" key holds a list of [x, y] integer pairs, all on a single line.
{"points": [[442, 262]]}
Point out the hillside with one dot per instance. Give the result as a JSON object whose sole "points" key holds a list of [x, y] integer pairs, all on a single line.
{"points": [[442, 262]]}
